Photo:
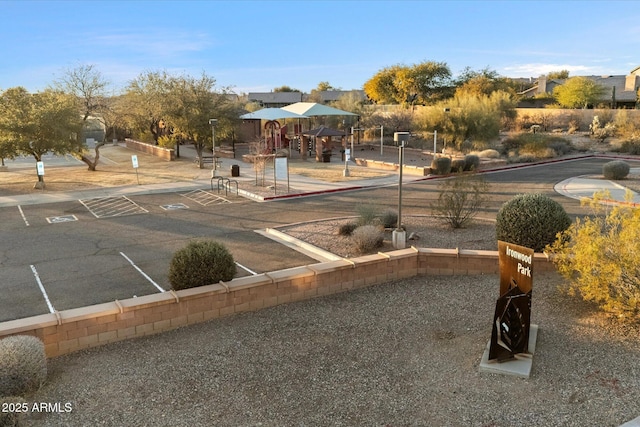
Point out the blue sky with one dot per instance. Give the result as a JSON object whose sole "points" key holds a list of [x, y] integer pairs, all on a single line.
{"points": [[255, 46]]}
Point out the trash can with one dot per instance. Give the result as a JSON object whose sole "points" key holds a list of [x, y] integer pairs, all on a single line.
{"points": [[326, 157], [235, 170]]}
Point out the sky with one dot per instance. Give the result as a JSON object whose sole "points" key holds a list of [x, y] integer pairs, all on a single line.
{"points": [[256, 46]]}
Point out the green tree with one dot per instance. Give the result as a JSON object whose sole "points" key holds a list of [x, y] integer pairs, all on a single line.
{"points": [[558, 75], [598, 255], [285, 89], [144, 99], [87, 85], [468, 118], [421, 84], [190, 104], [483, 82], [578, 92], [178, 108], [35, 124]]}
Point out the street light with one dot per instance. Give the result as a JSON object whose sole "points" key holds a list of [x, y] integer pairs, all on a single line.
{"points": [[213, 122], [398, 236], [347, 152]]}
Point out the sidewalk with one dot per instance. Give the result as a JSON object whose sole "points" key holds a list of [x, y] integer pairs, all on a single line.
{"points": [[580, 188]]}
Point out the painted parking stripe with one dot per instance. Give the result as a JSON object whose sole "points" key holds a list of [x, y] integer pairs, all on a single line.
{"points": [[142, 272], [44, 292], [24, 218], [246, 269]]}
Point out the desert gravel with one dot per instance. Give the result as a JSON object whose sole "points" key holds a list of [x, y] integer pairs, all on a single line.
{"points": [[399, 354]]}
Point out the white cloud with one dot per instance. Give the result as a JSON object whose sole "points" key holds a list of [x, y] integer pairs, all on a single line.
{"points": [[537, 69]]}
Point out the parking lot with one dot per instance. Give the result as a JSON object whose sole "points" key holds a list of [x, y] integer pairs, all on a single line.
{"points": [[59, 256]]}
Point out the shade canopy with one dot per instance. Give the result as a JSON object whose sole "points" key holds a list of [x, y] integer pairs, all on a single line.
{"points": [[310, 109], [272, 114], [323, 131]]}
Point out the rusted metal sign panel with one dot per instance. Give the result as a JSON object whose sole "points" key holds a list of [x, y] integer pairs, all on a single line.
{"points": [[512, 317]]}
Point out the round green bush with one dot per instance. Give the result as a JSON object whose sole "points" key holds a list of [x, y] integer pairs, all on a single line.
{"points": [[367, 238], [615, 170], [201, 263], [471, 162], [531, 220], [457, 165], [441, 165], [23, 365]]}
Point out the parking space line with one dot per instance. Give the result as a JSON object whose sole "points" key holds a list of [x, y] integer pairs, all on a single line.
{"points": [[142, 272], [44, 292], [246, 269], [24, 218]]}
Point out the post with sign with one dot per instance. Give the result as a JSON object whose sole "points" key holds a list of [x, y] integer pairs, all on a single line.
{"points": [[134, 161], [513, 337], [40, 172]]}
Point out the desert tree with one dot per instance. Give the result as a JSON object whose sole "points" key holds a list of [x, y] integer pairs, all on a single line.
{"points": [[35, 124], [578, 92], [418, 84], [88, 87]]}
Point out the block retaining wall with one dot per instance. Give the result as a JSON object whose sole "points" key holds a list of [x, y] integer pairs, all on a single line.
{"points": [[168, 154], [79, 328]]}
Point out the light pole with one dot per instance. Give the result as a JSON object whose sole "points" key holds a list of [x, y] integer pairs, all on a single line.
{"points": [[213, 122], [399, 235], [347, 152]]}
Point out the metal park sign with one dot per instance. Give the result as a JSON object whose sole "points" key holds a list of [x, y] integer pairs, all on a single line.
{"points": [[512, 318]]}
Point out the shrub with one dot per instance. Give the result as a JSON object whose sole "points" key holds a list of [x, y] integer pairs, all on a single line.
{"points": [[489, 154], [457, 165], [631, 147], [460, 199], [23, 365], [525, 158], [531, 220], [347, 229], [367, 238], [599, 257], [441, 165], [389, 218], [560, 147], [471, 162], [615, 170], [201, 263], [367, 214]]}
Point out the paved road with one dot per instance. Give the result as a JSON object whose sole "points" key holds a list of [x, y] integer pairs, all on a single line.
{"points": [[78, 254]]}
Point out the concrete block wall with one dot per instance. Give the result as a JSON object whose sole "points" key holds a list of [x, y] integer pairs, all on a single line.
{"points": [[72, 330], [168, 154]]}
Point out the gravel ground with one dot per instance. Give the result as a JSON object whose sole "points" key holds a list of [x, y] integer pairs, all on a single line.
{"points": [[432, 232], [401, 354]]}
